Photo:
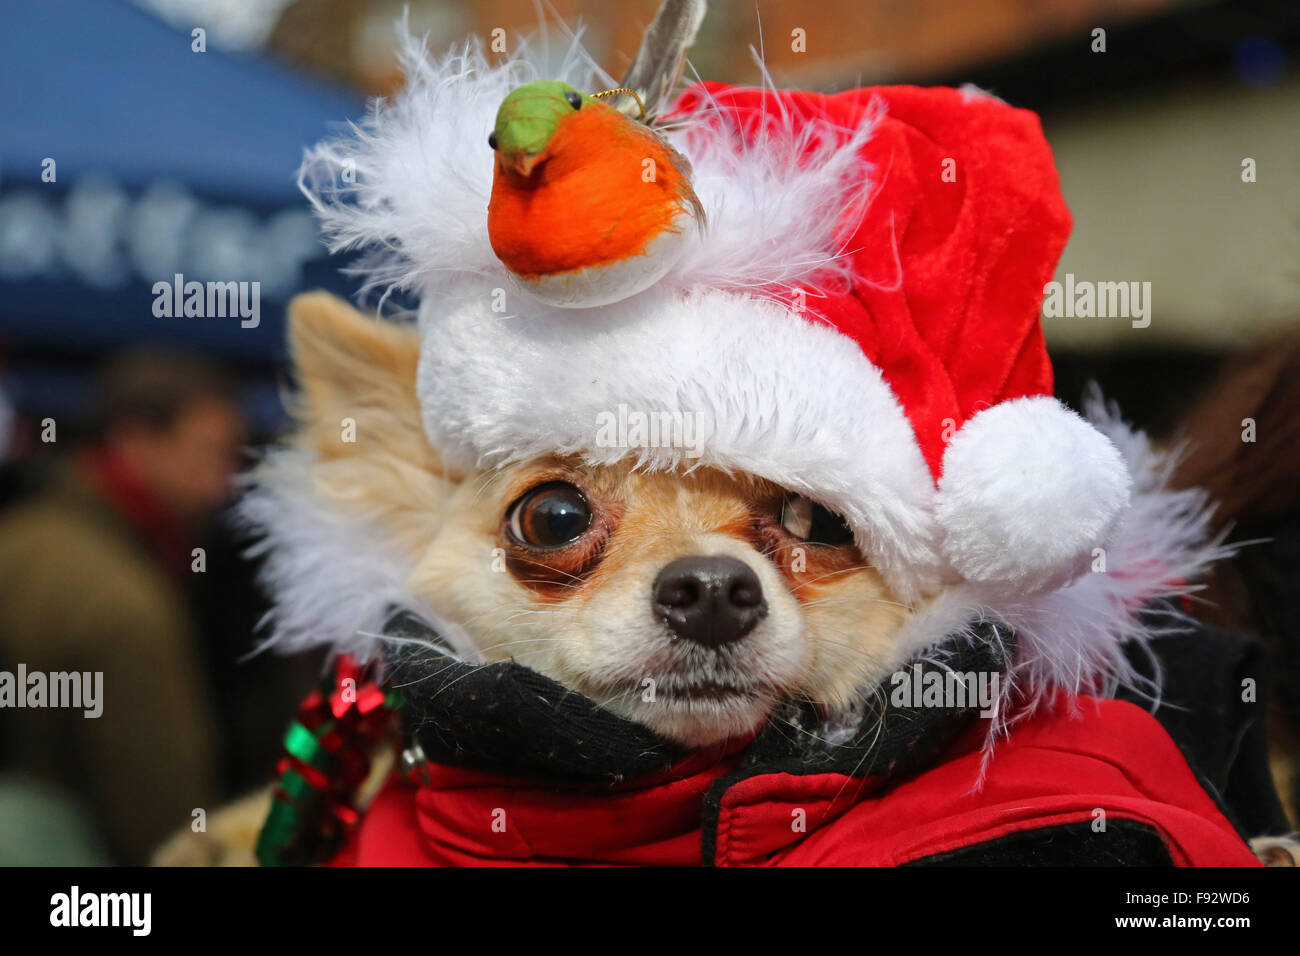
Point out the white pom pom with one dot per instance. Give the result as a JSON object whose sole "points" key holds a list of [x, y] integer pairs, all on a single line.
{"points": [[1029, 490]]}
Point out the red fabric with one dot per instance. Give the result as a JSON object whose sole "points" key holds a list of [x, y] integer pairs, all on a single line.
{"points": [[1057, 767], [152, 519], [949, 276]]}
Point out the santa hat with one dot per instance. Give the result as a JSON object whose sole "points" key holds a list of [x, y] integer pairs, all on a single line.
{"points": [[954, 222], [858, 323]]}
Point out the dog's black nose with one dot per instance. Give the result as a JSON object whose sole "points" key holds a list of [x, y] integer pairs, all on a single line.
{"points": [[709, 600]]}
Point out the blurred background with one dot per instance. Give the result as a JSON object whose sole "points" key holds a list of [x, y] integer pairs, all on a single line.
{"points": [[141, 141]]}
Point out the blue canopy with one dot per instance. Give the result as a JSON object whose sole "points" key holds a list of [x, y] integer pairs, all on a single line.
{"points": [[126, 159]]}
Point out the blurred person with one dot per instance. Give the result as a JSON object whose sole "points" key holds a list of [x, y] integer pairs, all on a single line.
{"points": [[1243, 446], [93, 575]]}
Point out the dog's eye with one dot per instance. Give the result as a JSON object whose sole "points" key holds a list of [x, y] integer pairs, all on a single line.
{"points": [[550, 516], [809, 521]]}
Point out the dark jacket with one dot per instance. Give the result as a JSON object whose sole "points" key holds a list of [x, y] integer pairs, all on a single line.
{"points": [[84, 588]]}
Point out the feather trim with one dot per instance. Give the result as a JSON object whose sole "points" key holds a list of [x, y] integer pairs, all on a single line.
{"points": [[1074, 638], [410, 184]]}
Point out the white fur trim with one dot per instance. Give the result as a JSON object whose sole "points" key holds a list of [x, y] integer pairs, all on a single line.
{"points": [[411, 182], [771, 392], [1029, 490]]}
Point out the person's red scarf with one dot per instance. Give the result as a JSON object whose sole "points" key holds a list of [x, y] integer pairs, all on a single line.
{"points": [[155, 522]]}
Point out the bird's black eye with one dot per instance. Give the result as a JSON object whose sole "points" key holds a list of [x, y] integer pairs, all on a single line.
{"points": [[574, 98], [492, 139], [809, 521], [550, 516]]}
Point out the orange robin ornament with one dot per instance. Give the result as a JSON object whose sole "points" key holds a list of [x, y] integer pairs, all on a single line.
{"points": [[589, 206]]}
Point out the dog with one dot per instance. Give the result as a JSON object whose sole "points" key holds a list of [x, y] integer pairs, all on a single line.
{"points": [[887, 490], [691, 603], [720, 593]]}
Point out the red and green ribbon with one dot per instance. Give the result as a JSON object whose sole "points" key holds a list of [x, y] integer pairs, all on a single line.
{"points": [[327, 752]]}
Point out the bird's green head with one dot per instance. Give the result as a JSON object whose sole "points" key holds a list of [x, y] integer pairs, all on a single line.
{"points": [[529, 117]]}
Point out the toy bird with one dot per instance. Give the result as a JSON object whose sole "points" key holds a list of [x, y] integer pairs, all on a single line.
{"points": [[589, 206]]}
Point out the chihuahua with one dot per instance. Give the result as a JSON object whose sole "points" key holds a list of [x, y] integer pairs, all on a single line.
{"points": [[689, 602]]}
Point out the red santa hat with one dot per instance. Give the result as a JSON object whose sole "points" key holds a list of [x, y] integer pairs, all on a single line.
{"points": [[858, 322], [948, 247]]}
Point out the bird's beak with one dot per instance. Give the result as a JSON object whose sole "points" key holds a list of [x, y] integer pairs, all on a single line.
{"points": [[521, 163]]}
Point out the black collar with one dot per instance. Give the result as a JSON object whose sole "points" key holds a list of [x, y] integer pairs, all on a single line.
{"points": [[505, 718]]}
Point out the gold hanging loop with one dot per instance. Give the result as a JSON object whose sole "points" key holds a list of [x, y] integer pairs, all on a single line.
{"points": [[633, 93]]}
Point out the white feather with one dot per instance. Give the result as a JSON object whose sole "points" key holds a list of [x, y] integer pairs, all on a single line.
{"points": [[410, 184]]}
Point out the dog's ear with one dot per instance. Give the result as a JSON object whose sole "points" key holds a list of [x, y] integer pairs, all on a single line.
{"points": [[359, 413], [357, 379]]}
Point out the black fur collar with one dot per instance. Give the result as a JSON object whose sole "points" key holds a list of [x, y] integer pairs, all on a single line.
{"points": [[506, 718]]}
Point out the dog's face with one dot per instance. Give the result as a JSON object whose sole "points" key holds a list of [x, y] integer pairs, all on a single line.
{"points": [[686, 602]]}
